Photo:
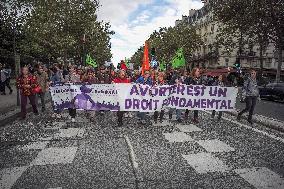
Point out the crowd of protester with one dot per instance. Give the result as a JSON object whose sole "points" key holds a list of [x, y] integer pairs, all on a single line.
{"points": [[35, 81]]}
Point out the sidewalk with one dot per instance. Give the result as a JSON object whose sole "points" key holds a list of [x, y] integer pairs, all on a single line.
{"points": [[8, 102]]}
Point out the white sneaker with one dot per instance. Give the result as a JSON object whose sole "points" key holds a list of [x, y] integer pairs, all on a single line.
{"points": [[73, 120]]}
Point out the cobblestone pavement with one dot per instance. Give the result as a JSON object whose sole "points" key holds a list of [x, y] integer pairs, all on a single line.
{"points": [[45, 152]]}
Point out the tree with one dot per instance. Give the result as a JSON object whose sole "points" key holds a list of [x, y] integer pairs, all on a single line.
{"points": [[54, 29], [258, 20], [167, 41]]}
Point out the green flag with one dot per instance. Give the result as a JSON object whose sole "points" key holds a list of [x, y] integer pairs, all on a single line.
{"points": [[178, 60], [162, 65], [91, 61], [127, 62]]}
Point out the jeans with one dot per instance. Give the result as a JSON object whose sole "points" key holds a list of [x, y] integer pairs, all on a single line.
{"points": [[7, 84], [2, 87], [156, 115], [178, 112], [250, 105], [195, 114], [219, 114], [24, 100], [120, 116], [141, 115], [42, 100], [72, 112]]}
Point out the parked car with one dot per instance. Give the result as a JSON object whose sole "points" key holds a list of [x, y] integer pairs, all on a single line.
{"points": [[272, 91]]}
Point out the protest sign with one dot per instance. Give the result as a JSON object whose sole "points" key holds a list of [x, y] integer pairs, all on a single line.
{"points": [[143, 98]]}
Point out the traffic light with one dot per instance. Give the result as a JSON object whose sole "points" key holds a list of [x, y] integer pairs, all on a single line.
{"points": [[238, 63]]}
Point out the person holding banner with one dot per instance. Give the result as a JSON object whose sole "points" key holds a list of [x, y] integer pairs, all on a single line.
{"points": [[222, 83], [27, 83], [196, 79], [121, 79], [72, 77], [144, 80], [175, 80], [159, 81]]}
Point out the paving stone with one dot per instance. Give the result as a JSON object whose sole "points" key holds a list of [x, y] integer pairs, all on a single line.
{"points": [[215, 146], [55, 156], [69, 133], [34, 146], [261, 178], [163, 124], [205, 162], [177, 137], [9, 176], [188, 128]]}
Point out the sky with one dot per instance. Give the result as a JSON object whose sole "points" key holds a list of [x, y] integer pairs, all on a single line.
{"points": [[134, 20]]}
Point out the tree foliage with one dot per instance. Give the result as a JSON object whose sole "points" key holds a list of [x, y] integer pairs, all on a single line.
{"points": [[255, 20], [167, 41], [55, 29]]}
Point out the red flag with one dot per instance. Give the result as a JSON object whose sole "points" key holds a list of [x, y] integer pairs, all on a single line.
{"points": [[123, 65], [146, 63]]}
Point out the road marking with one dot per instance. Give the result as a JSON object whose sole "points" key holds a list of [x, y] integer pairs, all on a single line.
{"points": [[55, 156], [261, 178], [131, 152], [69, 133], [33, 146], [163, 124], [205, 162], [177, 137], [9, 176], [215, 146], [188, 128], [254, 129]]}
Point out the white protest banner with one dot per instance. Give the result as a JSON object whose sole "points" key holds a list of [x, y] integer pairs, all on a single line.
{"points": [[143, 98]]}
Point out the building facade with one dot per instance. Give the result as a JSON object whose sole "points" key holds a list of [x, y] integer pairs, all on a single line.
{"points": [[211, 55]]}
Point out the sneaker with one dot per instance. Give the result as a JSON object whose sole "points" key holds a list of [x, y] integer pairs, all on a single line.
{"points": [[195, 121], [119, 124], [36, 113], [58, 116], [238, 117], [179, 120], [73, 120]]}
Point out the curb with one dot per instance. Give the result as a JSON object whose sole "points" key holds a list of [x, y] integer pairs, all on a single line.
{"points": [[262, 120]]}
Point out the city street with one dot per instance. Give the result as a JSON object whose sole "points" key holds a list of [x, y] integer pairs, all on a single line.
{"points": [[267, 108], [43, 152]]}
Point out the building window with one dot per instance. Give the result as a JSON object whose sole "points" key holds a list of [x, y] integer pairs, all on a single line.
{"points": [[227, 61], [268, 62]]}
